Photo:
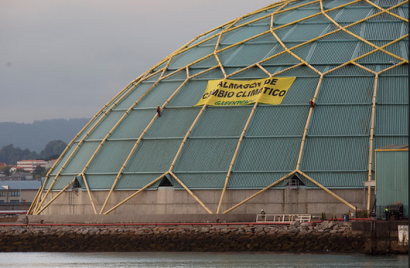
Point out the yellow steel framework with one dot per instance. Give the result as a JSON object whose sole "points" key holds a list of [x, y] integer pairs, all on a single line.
{"points": [[37, 207]]}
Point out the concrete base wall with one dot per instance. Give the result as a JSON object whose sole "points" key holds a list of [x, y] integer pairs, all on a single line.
{"points": [[167, 201]]}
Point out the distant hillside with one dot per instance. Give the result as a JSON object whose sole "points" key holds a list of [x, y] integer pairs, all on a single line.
{"points": [[36, 135]]}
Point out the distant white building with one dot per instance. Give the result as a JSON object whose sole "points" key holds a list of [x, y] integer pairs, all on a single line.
{"points": [[30, 165]]}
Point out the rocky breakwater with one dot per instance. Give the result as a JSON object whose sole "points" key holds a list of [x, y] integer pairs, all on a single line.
{"points": [[306, 237]]}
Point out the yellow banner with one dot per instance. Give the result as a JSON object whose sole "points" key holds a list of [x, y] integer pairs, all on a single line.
{"points": [[225, 92]]}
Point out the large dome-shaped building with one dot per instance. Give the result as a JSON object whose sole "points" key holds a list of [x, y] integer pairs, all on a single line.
{"points": [[349, 58]]}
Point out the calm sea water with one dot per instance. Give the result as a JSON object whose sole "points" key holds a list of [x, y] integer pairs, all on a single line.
{"points": [[190, 259]]}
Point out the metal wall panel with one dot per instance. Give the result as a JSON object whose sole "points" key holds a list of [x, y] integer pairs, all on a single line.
{"points": [[301, 32], [268, 154], [334, 3], [173, 123], [301, 71], [189, 56], [239, 180], [285, 59], [344, 90], [100, 182], [201, 180], [341, 120], [206, 155], [81, 157], [257, 16], [222, 121], [278, 121], [392, 179], [179, 76], [353, 14], [64, 158], [393, 89], [134, 124], [400, 49], [62, 182], [377, 57], [106, 125], [382, 31], [137, 181], [251, 73], [205, 63], [210, 34], [326, 52], [290, 16], [301, 91], [335, 153], [111, 156], [134, 96], [242, 33], [154, 156], [392, 120], [339, 179], [159, 94], [351, 70], [189, 95], [90, 126], [249, 54]]}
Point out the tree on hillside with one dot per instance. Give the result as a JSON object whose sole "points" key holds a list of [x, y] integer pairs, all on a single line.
{"points": [[53, 148], [10, 155]]}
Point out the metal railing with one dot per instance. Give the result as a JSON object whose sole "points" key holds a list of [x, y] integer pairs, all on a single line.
{"points": [[283, 218]]}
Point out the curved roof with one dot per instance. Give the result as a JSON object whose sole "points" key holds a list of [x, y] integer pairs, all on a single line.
{"points": [[349, 57]]}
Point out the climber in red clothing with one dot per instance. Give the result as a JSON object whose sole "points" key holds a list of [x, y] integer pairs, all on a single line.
{"points": [[312, 104], [159, 111]]}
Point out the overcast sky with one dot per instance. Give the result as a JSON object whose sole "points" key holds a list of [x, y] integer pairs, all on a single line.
{"points": [[68, 58]]}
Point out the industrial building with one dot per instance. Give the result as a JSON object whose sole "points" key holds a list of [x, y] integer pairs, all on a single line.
{"points": [[337, 73]]}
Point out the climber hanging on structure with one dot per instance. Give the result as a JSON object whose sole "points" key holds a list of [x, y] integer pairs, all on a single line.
{"points": [[311, 104], [159, 111]]}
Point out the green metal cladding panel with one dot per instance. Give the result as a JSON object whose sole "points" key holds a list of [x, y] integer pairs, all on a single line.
{"points": [[106, 125], [293, 15], [301, 91], [191, 55], [247, 54], [100, 182], [301, 32], [206, 155], [341, 120], [154, 155], [335, 153], [62, 182], [274, 121], [201, 180], [89, 127], [111, 156], [339, 179], [173, 123], [133, 124], [221, 122], [268, 154], [392, 178], [159, 94], [392, 120], [254, 180], [137, 181], [393, 89], [81, 157], [190, 94], [64, 158], [242, 33], [134, 95], [344, 90], [382, 31]]}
